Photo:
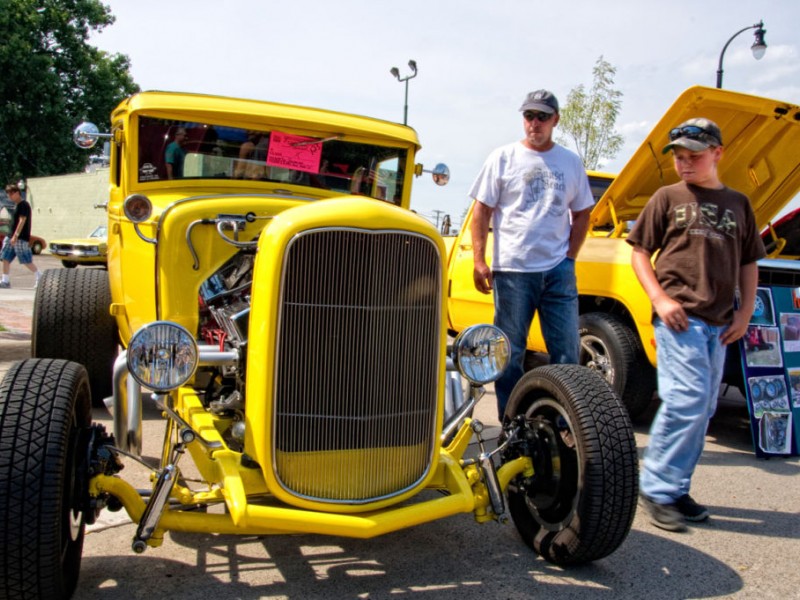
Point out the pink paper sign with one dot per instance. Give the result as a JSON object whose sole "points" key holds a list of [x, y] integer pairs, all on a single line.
{"points": [[294, 152]]}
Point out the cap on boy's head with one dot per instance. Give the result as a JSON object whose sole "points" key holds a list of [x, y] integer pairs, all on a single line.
{"points": [[540, 100], [695, 135]]}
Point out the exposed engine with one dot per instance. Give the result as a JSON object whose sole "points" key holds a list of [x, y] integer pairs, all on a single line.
{"points": [[224, 308]]}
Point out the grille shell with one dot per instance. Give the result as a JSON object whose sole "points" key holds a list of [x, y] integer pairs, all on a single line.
{"points": [[355, 404]]}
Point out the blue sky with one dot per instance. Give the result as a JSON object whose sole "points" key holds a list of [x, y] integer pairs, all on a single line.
{"points": [[476, 61]]}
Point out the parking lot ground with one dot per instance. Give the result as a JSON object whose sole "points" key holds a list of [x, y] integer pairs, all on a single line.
{"points": [[748, 549]]}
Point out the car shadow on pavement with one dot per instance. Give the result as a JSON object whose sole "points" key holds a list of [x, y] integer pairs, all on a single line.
{"points": [[435, 560]]}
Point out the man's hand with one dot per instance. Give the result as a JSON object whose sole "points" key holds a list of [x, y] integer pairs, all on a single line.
{"points": [[479, 228], [482, 276]]}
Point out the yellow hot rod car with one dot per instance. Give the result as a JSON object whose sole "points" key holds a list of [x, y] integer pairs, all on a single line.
{"points": [[269, 290]]}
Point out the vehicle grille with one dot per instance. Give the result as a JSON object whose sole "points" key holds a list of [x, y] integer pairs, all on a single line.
{"points": [[73, 250], [779, 272], [356, 375]]}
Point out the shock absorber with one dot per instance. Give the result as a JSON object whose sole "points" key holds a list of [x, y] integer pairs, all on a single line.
{"points": [[489, 472]]}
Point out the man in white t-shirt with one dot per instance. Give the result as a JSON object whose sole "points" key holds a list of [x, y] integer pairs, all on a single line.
{"points": [[537, 196]]}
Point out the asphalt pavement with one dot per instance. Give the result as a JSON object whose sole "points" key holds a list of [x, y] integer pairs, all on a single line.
{"points": [[748, 549]]}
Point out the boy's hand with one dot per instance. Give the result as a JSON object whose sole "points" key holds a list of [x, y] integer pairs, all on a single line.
{"points": [[672, 313], [736, 329]]}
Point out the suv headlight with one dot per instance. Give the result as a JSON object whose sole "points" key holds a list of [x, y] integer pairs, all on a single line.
{"points": [[162, 356], [481, 353]]}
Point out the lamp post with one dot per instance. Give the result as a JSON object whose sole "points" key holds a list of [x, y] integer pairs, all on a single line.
{"points": [[396, 72], [759, 46]]}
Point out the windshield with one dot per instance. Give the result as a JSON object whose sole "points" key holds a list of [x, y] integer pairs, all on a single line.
{"points": [[170, 149], [599, 184]]}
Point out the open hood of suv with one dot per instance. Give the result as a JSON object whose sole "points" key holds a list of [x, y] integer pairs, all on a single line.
{"points": [[761, 139]]}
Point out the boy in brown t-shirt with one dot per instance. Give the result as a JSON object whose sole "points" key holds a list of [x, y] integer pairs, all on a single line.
{"points": [[708, 243]]}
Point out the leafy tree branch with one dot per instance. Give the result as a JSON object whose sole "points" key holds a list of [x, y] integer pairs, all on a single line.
{"points": [[588, 118], [53, 79]]}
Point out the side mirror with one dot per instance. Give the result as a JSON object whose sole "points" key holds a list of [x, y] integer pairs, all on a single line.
{"points": [[441, 174], [86, 135]]}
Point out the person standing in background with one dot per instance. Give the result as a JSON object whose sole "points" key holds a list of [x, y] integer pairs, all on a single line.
{"points": [[16, 244], [175, 155]]}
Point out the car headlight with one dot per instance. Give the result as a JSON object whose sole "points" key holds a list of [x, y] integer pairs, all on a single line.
{"points": [[138, 208], [162, 356], [481, 353]]}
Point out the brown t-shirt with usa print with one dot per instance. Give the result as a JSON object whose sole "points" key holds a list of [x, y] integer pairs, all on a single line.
{"points": [[703, 237]]}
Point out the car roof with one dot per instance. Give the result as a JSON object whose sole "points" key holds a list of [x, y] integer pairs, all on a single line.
{"points": [[760, 138], [250, 114]]}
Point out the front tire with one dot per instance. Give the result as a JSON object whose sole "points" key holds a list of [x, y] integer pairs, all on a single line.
{"points": [[45, 413], [580, 503], [610, 347], [71, 320]]}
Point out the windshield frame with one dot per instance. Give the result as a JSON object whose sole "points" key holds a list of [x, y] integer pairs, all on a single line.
{"points": [[214, 160]]}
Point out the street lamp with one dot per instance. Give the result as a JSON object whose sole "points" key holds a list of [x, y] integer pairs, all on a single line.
{"points": [[759, 46], [396, 72]]}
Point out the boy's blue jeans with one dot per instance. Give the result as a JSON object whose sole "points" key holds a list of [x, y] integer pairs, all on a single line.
{"points": [[517, 296], [690, 365]]}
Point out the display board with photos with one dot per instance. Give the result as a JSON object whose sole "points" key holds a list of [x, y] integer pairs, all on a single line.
{"points": [[771, 361]]}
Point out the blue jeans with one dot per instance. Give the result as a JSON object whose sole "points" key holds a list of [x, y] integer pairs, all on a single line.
{"points": [[517, 296], [690, 365]]}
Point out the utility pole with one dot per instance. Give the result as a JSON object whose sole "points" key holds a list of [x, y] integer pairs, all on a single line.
{"points": [[436, 214]]}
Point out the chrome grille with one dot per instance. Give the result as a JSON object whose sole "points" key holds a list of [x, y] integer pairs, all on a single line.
{"points": [[356, 375]]}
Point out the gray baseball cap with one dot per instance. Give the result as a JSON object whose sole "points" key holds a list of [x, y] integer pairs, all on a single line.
{"points": [[695, 135], [540, 100]]}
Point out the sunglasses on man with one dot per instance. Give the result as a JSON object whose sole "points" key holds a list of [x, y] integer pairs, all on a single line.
{"points": [[542, 117]]}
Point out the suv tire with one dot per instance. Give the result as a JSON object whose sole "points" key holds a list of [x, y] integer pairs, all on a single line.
{"points": [[610, 347]]}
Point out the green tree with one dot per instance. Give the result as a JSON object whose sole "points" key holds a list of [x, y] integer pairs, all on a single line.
{"points": [[52, 79], [588, 118]]}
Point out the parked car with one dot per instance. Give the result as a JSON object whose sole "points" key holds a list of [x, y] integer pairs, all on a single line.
{"points": [[90, 250], [292, 333], [36, 243]]}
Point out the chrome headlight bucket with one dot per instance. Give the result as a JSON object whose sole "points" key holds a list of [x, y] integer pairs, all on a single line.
{"points": [[162, 356], [481, 353]]}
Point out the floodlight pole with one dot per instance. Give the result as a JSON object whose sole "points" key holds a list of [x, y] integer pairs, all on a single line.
{"points": [[396, 72]]}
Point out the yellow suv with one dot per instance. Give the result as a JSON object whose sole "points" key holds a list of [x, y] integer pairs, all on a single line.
{"points": [[276, 299], [761, 139]]}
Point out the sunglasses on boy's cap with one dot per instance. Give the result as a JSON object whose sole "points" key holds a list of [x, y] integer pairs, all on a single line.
{"points": [[695, 135]]}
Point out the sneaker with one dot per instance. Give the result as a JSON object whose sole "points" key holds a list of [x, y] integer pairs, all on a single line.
{"points": [[665, 516], [5, 284], [691, 510]]}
